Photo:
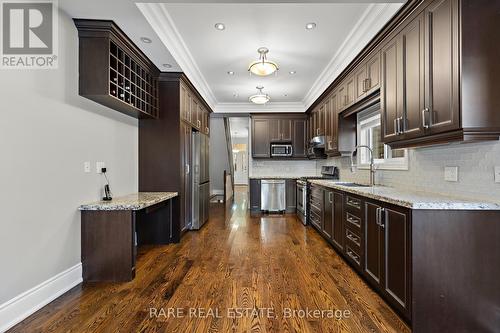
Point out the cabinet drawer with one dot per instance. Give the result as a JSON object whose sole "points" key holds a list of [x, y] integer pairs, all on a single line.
{"points": [[353, 254], [353, 221], [353, 203], [353, 237]]}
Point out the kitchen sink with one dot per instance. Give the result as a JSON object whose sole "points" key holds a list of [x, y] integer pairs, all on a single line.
{"points": [[353, 185]]}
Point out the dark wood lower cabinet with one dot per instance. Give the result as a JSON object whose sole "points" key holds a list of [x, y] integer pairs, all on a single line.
{"points": [[254, 189], [333, 225], [291, 195]]}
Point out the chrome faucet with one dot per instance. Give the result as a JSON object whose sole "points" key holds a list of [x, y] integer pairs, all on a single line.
{"points": [[372, 163]]}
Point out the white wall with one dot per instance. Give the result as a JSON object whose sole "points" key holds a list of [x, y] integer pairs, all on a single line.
{"points": [[47, 132], [476, 162]]}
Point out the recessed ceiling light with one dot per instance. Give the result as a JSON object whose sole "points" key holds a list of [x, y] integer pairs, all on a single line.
{"points": [[167, 65], [235, 95], [285, 95], [310, 26], [220, 26], [146, 40], [230, 73], [292, 72]]}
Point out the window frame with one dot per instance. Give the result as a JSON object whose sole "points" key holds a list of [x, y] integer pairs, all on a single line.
{"points": [[366, 119]]}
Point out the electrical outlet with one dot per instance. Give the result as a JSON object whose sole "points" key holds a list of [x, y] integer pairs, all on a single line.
{"points": [[497, 174], [99, 166], [451, 174], [86, 167]]}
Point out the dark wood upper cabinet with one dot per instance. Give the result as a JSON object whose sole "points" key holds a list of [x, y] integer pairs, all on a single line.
{"points": [[299, 142], [261, 138], [372, 73], [442, 109], [114, 72], [281, 129], [360, 80], [391, 98]]}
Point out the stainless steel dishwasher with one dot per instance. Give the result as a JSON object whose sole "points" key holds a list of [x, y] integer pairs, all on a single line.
{"points": [[272, 195]]}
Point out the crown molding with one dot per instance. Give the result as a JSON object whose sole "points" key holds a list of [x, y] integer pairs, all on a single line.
{"points": [[372, 20], [277, 107], [162, 23]]}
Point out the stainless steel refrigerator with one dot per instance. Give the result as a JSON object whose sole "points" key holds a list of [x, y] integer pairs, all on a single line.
{"points": [[200, 180]]}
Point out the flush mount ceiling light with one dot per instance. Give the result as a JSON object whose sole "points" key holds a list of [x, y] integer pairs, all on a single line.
{"points": [[230, 73], [310, 26], [263, 67], [146, 40], [292, 72], [220, 26], [167, 65], [259, 98]]}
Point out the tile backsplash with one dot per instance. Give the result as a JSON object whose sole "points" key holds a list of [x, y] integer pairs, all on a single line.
{"points": [[475, 161], [284, 168]]}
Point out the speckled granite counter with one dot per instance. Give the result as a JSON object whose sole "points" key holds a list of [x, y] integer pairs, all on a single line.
{"points": [[411, 199], [275, 177], [135, 201]]}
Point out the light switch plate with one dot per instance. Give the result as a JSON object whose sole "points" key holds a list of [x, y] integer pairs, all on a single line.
{"points": [[451, 174], [86, 167], [99, 166], [497, 174]]}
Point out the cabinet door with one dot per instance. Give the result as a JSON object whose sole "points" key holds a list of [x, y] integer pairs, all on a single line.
{"points": [[395, 226], [328, 215], [338, 217], [184, 102], [391, 97], [291, 195], [321, 120], [260, 138], [413, 70], [332, 124], [372, 267], [286, 129], [274, 130], [350, 90], [255, 194], [373, 73], [442, 66], [299, 138], [199, 117], [360, 81], [342, 97]]}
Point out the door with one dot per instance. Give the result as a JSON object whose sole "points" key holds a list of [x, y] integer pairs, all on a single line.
{"points": [[442, 112], [186, 177], [299, 138], [240, 161], [338, 217], [395, 232], [260, 138], [360, 80], [391, 97], [412, 37], [373, 244], [274, 130], [373, 73], [286, 128]]}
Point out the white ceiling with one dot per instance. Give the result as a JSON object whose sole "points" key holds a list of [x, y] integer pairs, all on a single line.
{"points": [[183, 35]]}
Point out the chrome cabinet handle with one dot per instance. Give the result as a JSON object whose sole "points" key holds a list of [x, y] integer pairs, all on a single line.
{"points": [[352, 255], [352, 237], [396, 126], [377, 216], [424, 123], [187, 169], [381, 220], [330, 197]]}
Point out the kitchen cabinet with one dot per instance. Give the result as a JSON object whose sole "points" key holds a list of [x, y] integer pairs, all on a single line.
{"points": [[347, 92], [299, 137], [282, 128], [333, 226], [291, 195], [331, 128], [261, 147], [114, 72], [255, 199], [316, 207], [387, 261], [367, 77]]}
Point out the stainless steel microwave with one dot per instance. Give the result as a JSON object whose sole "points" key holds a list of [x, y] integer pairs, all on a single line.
{"points": [[281, 150]]}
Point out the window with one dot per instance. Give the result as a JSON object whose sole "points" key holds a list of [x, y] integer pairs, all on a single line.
{"points": [[369, 134]]}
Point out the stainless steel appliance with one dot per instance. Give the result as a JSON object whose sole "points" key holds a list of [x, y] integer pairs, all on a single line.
{"points": [[272, 195], [280, 150], [316, 148], [200, 180], [327, 172]]}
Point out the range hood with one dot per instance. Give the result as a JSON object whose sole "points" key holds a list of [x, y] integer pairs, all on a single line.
{"points": [[318, 142], [316, 149]]}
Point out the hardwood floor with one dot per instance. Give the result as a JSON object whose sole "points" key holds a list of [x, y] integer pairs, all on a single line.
{"points": [[268, 264]]}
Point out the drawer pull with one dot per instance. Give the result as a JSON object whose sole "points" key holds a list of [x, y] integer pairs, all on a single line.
{"points": [[353, 255], [353, 220], [353, 203], [352, 237]]}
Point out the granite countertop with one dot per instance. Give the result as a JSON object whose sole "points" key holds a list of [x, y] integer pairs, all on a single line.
{"points": [[275, 177], [134, 201], [411, 199]]}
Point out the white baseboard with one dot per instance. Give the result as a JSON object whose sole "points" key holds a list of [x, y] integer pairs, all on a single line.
{"points": [[22, 306]]}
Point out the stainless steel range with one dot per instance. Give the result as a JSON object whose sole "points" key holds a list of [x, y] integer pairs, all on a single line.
{"points": [[327, 172]]}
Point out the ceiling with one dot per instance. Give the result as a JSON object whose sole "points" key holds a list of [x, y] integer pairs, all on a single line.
{"points": [[183, 35]]}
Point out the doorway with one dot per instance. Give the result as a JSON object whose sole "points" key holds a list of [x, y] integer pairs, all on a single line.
{"points": [[239, 139]]}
